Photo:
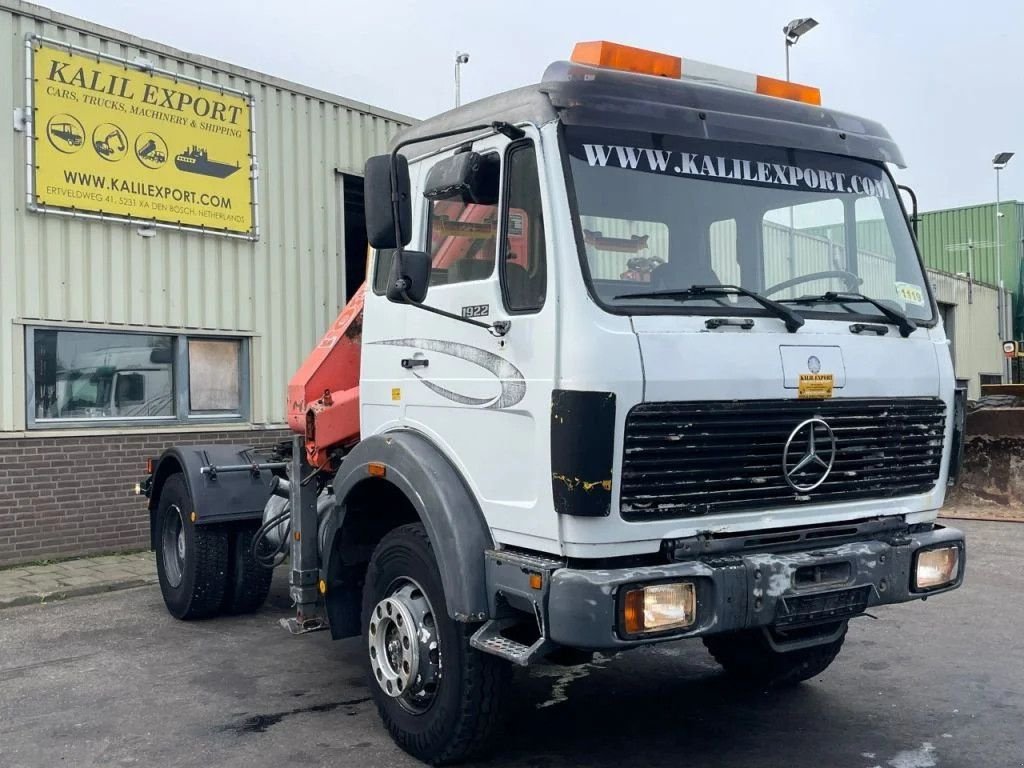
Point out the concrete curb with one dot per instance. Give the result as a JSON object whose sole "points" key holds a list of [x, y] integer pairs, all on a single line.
{"points": [[38, 598]]}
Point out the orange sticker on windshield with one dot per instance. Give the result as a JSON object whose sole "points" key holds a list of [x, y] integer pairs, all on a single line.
{"points": [[815, 386]]}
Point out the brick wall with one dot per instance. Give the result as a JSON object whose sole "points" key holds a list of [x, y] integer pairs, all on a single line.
{"points": [[69, 496]]}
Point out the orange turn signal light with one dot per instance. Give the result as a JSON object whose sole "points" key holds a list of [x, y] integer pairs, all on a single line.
{"points": [[150, 466], [783, 89], [633, 612], [601, 53], [536, 581], [376, 469]]}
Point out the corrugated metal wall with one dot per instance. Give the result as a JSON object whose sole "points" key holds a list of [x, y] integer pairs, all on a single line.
{"points": [[284, 290], [954, 238], [977, 347]]}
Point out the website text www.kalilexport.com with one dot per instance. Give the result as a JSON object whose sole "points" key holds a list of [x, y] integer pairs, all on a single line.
{"points": [[142, 189], [143, 200], [733, 169]]}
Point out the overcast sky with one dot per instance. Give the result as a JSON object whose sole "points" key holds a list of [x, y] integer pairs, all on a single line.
{"points": [[945, 80]]}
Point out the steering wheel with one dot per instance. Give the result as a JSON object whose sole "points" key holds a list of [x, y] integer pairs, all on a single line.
{"points": [[852, 281]]}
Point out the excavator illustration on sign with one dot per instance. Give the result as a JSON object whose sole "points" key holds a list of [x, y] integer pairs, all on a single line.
{"points": [[111, 144], [66, 132]]}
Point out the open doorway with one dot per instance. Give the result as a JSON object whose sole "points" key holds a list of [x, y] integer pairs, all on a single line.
{"points": [[948, 314], [352, 233]]}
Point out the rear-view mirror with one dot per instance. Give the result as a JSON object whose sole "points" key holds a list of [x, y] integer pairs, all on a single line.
{"points": [[467, 176], [409, 271], [381, 231]]}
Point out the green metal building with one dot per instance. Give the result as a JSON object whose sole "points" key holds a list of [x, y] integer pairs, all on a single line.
{"points": [[964, 241]]}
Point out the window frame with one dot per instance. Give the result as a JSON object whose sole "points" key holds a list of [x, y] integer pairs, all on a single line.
{"points": [[182, 417], [506, 180]]}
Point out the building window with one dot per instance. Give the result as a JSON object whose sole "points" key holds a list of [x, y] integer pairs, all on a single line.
{"points": [[213, 376], [79, 378]]}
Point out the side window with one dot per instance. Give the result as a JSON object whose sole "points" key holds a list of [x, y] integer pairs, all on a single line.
{"points": [[382, 271], [524, 258], [130, 389], [463, 241]]}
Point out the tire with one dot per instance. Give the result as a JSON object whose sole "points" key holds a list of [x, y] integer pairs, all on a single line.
{"points": [[750, 658], [468, 700], [191, 561], [248, 582]]}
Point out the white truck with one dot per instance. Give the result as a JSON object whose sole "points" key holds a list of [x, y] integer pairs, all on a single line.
{"points": [[646, 352]]}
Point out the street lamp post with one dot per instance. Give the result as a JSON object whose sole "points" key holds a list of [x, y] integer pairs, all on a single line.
{"points": [[998, 163], [793, 31], [460, 58]]}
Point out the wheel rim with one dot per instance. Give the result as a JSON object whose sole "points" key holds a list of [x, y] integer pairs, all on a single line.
{"points": [[172, 545], [404, 646]]}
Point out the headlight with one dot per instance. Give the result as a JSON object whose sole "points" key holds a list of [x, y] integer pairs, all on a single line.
{"points": [[936, 568], [659, 608]]}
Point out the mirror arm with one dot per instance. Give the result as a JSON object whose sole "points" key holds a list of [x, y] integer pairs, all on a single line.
{"points": [[913, 206], [498, 329]]}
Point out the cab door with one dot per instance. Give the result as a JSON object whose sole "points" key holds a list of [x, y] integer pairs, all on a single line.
{"points": [[484, 398]]}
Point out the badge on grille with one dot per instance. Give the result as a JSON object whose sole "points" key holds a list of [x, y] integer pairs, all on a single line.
{"points": [[809, 454]]}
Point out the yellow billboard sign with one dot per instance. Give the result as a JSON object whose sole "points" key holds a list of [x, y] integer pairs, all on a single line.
{"points": [[128, 142]]}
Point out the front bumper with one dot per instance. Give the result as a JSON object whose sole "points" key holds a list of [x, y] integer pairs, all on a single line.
{"points": [[740, 591]]}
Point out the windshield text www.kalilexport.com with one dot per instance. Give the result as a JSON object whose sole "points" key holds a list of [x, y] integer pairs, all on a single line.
{"points": [[666, 161]]}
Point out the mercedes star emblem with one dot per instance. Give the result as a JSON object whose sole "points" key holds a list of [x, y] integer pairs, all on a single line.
{"points": [[809, 455], [813, 364]]}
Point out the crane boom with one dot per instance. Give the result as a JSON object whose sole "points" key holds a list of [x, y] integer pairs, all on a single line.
{"points": [[323, 395]]}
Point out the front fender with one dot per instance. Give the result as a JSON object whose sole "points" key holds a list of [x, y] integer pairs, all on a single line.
{"points": [[441, 498]]}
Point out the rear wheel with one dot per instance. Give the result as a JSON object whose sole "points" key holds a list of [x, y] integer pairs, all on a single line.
{"points": [[439, 698], [248, 582], [750, 657], [192, 561]]}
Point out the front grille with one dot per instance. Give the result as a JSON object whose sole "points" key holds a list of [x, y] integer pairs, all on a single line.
{"points": [[700, 458]]}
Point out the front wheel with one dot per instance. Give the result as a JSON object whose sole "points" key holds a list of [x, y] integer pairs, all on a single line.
{"points": [[439, 698], [750, 657]]}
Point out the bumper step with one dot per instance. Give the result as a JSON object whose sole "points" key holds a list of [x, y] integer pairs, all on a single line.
{"points": [[490, 640]]}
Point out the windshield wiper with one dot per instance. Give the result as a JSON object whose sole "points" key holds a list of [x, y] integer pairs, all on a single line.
{"points": [[792, 320], [897, 318]]}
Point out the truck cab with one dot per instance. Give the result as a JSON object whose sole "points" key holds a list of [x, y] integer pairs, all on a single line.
{"points": [[646, 352]]}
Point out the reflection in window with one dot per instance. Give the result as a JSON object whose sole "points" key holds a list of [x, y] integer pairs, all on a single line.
{"points": [[621, 249], [87, 375], [463, 239], [802, 240]]}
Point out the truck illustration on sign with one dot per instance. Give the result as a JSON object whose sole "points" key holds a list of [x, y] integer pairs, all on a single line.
{"points": [[66, 131], [195, 160]]}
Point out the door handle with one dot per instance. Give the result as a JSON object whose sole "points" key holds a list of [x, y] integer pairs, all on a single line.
{"points": [[414, 362]]}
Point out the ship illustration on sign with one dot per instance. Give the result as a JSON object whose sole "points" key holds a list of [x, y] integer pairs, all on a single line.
{"points": [[195, 160]]}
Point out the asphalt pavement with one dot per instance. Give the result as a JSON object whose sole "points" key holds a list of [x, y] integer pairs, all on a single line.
{"points": [[112, 680]]}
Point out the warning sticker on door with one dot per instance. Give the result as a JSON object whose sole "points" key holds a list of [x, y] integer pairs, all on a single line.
{"points": [[910, 293], [815, 386]]}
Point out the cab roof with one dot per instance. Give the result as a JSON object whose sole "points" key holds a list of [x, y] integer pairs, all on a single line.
{"points": [[580, 94]]}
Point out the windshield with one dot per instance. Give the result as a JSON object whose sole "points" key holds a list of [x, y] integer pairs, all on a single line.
{"points": [[664, 213], [84, 392]]}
